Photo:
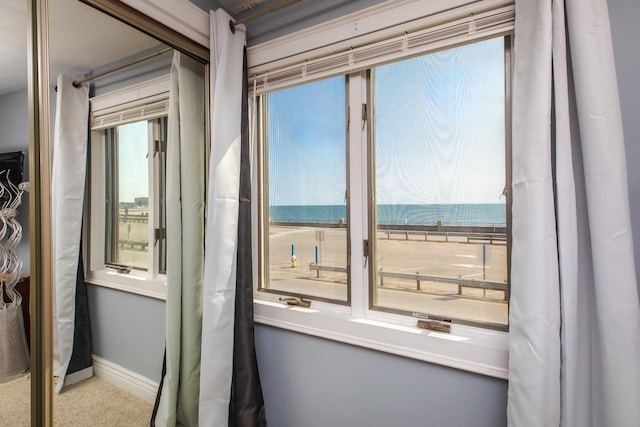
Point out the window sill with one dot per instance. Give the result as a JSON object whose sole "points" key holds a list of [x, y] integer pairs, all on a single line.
{"points": [[467, 348], [135, 283]]}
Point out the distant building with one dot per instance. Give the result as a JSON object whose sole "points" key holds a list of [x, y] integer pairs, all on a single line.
{"points": [[141, 201]]}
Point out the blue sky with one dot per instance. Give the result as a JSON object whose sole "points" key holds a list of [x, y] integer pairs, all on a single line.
{"points": [[307, 144], [440, 123], [133, 168], [439, 132]]}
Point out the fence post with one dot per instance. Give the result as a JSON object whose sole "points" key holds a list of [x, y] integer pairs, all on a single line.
{"points": [[293, 256], [418, 280]]}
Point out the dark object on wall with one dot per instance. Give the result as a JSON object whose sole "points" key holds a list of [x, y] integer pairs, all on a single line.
{"points": [[11, 166]]}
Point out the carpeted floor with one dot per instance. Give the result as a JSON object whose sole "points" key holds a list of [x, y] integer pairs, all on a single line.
{"points": [[92, 402]]}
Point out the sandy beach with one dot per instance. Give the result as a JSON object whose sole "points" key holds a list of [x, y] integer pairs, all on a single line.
{"points": [[408, 255]]}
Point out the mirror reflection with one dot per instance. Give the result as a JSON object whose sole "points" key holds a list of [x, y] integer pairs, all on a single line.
{"points": [[122, 114], [14, 233]]}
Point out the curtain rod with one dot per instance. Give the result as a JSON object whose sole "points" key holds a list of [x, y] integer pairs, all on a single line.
{"points": [[77, 83], [278, 6]]}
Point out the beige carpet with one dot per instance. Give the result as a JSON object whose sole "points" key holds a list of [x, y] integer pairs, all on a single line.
{"points": [[93, 402]]}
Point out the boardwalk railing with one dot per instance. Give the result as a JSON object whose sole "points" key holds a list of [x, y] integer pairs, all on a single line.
{"points": [[458, 236], [133, 244], [458, 281], [458, 233], [419, 278], [143, 219]]}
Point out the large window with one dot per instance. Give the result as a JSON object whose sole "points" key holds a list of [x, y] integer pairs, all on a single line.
{"points": [[424, 141], [382, 186]]}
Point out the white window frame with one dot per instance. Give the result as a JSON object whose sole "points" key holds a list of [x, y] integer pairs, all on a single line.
{"points": [[144, 101], [473, 349]]}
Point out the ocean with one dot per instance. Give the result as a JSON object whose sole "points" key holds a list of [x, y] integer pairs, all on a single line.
{"points": [[486, 214]]}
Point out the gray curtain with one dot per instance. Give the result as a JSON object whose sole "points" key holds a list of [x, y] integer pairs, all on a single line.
{"points": [[177, 401], [219, 295], [72, 332], [574, 338], [246, 407]]}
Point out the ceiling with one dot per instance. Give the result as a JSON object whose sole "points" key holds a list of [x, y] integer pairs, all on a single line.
{"points": [[83, 39], [238, 6], [80, 39]]}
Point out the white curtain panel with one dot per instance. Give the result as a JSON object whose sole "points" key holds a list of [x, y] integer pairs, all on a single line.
{"points": [[185, 243], [574, 314], [67, 193], [222, 220]]}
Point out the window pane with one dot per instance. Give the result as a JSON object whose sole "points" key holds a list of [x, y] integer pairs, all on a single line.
{"points": [[440, 216], [128, 196], [307, 212]]}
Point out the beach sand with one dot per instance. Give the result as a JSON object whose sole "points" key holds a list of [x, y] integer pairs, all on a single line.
{"points": [[395, 254]]}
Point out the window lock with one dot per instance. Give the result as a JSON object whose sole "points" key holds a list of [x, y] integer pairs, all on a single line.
{"points": [[159, 233], [434, 325], [364, 115], [122, 269], [296, 301]]}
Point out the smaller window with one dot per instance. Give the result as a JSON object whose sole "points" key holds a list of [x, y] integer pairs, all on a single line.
{"points": [[126, 216], [134, 228]]}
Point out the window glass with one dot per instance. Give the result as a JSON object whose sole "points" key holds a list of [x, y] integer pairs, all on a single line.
{"points": [[127, 210], [439, 216], [306, 212]]}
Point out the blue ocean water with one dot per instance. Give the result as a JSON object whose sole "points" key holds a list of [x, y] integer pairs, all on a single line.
{"points": [[486, 214]]}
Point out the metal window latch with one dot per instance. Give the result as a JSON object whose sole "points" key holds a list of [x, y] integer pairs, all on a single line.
{"points": [[296, 301], [365, 251], [159, 233], [434, 325], [159, 146], [122, 269], [364, 115]]}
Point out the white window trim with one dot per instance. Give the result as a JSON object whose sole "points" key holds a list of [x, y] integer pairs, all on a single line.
{"points": [[468, 348], [154, 93], [374, 26]]}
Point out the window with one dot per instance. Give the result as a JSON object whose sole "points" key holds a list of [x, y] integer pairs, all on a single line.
{"points": [[439, 234], [134, 227], [382, 190], [128, 185], [306, 249], [434, 128]]}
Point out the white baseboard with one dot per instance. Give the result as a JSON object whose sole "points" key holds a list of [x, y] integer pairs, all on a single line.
{"points": [[125, 379]]}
